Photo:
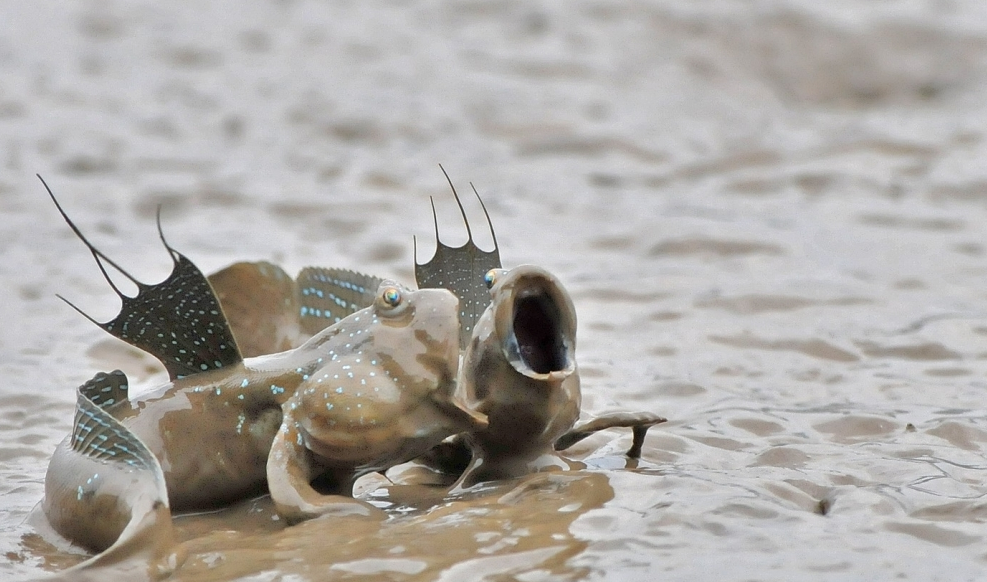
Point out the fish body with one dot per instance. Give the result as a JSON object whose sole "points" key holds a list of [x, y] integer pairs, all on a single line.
{"points": [[520, 370], [371, 390], [384, 397], [519, 367], [518, 336], [364, 394]]}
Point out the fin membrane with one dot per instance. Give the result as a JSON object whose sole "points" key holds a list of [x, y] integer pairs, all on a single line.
{"points": [[326, 296], [270, 312], [179, 320], [460, 270], [97, 435], [106, 390]]}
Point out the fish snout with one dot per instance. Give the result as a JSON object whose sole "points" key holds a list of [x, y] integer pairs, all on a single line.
{"points": [[439, 312], [436, 327]]}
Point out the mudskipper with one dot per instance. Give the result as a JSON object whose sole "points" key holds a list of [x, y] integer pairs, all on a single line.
{"points": [[518, 336], [371, 390]]}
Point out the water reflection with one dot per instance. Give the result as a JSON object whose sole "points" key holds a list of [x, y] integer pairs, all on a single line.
{"points": [[506, 528]]}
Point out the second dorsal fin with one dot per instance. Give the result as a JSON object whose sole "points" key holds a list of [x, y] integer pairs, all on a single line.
{"points": [[326, 296], [179, 320]]}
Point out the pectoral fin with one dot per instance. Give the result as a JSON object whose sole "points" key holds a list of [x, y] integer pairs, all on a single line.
{"points": [[467, 419], [639, 422], [291, 471], [179, 320]]}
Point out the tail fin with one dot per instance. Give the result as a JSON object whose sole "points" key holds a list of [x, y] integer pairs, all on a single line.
{"points": [[105, 489]]}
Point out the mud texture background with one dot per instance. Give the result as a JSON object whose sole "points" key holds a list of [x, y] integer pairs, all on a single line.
{"points": [[770, 215]]}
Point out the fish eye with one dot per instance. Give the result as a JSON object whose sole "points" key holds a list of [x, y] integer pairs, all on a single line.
{"points": [[391, 296], [490, 279]]}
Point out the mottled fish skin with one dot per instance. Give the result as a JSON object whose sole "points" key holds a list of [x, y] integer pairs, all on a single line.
{"points": [[384, 397], [204, 438], [464, 271]]}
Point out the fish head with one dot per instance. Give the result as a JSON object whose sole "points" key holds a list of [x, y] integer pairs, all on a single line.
{"points": [[534, 321], [387, 393], [415, 334], [520, 367]]}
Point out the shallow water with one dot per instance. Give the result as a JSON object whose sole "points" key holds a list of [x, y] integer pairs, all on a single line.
{"points": [[769, 214]]}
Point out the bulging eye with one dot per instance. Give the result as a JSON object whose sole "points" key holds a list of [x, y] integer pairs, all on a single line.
{"points": [[391, 296], [491, 277], [392, 299]]}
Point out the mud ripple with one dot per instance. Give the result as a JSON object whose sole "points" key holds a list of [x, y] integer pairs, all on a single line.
{"points": [[815, 348]]}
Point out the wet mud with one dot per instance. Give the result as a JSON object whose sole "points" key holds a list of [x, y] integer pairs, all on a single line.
{"points": [[769, 217]]}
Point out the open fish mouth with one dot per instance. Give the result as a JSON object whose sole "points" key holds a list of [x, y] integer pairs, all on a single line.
{"points": [[540, 336], [538, 332]]}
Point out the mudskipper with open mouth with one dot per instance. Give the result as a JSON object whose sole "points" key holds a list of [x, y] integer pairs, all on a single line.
{"points": [[518, 336], [369, 391]]}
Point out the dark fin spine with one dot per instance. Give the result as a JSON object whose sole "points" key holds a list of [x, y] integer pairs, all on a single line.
{"points": [[493, 234], [97, 254], [179, 320], [462, 211]]}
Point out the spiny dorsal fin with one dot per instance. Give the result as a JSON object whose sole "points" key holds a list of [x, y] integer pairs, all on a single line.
{"points": [[326, 296], [179, 320], [97, 435], [106, 390], [460, 269]]}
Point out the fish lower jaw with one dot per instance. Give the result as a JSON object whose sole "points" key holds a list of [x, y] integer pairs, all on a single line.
{"points": [[552, 378]]}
